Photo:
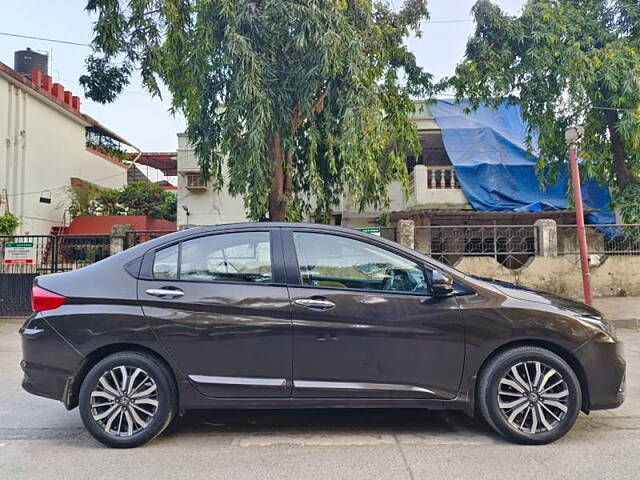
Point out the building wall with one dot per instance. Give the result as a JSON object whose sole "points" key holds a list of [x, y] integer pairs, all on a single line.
{"points": [[206, 207], [615, 276], [44, 147]]}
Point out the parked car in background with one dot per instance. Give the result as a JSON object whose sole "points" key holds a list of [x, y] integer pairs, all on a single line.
{"points": [[275, 315]]}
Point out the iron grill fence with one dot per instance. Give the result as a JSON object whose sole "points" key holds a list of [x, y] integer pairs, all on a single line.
{"points": [[40, 254], [511, 245], [26, 254], [76, 251], [24, 257], [389, 233], [618, 239], [141, 236]]}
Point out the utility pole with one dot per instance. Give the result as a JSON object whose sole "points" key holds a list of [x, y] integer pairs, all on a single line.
{"points": [[571, 135]]}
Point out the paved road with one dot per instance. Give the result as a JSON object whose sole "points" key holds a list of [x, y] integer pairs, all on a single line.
{"points": [[40, 439]]}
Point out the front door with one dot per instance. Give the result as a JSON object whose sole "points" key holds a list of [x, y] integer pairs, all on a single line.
{"points": [[365, 324], [216, 304]]}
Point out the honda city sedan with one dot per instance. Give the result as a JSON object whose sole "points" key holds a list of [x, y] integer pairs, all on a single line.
{"points": [[285, 315]]}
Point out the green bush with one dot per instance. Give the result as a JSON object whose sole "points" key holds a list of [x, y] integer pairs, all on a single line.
{"points": [[8, 224]]}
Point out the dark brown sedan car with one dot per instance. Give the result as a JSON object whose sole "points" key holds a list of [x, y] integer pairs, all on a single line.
{"points": [[300, 315]]}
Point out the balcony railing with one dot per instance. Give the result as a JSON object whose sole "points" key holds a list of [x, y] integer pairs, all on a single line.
{"points": [[442, 178]]}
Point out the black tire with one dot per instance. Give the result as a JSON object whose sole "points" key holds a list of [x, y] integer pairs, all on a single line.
{"points": [[526, 357], [165, 395]]}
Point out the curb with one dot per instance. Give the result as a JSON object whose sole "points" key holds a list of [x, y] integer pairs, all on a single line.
{"points": [[626, 323], [13, 319]]}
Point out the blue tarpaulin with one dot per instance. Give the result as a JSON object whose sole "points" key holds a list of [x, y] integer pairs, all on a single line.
{"points": [[488, 150]]}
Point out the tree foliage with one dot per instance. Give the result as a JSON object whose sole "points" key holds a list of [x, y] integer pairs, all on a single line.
{"points": [[566, 63], [137, 198], [8, 224], [289, 103]]}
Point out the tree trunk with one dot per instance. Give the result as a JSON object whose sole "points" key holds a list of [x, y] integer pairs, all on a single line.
{"points": [[623, 174], [277, 207], [288, 174]]}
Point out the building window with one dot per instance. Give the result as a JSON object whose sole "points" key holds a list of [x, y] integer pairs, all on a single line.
{"points": [[194, 181]]}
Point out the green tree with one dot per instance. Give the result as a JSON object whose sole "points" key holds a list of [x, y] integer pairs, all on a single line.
{"points": [[109, 202], [144, 198], [302, 99], [137, 198], [566, 63], [83, 200]]}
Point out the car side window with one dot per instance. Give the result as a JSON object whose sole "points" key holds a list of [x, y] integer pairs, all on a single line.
{"points": [[165, 264], [339, 262], [229, 257]]}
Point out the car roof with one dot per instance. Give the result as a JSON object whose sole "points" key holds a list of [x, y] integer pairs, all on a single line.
{"points": [[226, 226], [196, 231]]}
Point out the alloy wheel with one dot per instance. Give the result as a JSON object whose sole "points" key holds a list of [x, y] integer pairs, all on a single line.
{"points": [[124, 400], [533, 397]]}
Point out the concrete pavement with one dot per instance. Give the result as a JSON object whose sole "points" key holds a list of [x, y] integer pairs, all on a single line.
{"points": [[40, 439], [624, 312]]}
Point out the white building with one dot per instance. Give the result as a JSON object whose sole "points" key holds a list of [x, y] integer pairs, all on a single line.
{"points": [[433, 185], [45, 150], [200, 204]]}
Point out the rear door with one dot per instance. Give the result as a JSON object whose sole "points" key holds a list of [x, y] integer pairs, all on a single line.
{"points": [[219, 305], [365, 322]]}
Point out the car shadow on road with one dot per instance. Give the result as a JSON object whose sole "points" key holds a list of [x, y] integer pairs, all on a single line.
{"points": [[329, 422]]}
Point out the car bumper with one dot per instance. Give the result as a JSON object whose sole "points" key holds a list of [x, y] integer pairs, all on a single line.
{"points": [[48, 361], [605, 370]]}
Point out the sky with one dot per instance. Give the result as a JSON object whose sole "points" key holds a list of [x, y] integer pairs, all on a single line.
{"points": [[145, 121]]}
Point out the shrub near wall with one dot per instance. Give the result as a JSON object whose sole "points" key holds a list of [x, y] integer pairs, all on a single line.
{"points": [[615, 276]]}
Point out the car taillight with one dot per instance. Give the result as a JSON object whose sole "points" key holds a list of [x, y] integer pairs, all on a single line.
{"points": [[42, 299]]}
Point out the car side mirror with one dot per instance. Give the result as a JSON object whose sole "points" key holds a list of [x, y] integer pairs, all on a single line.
{"points": [[441, 284]]}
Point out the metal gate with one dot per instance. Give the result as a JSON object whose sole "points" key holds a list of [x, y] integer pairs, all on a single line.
{"points": [[24, 257]]}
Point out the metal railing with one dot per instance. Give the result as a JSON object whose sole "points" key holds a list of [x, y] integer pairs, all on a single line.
{"points": [[27, 254], [511, 245], [613, 239], [76, 251], [141, 236], [40, 254]]}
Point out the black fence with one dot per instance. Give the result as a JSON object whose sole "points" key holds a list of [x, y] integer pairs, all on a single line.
{"points": [[23, 257], [141, 236]]}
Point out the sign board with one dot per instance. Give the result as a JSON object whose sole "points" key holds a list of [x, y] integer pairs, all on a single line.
{"points": [[19, 253], [372, 230]]}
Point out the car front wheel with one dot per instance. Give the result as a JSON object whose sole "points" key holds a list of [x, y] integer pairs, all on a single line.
{"points": [[529, 395], [127, 399]]}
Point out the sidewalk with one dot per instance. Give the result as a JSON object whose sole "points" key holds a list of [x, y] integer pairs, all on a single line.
{"points": [[624, 312]]}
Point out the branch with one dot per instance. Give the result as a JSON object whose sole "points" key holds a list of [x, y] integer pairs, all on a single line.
{"points": [[318, 107]]}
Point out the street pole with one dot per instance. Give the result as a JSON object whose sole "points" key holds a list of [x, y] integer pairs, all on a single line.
{"points": [[571, 135]]}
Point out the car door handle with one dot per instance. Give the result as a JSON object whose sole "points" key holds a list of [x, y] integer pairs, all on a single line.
{"points": [[315, 303], [165, 292]]}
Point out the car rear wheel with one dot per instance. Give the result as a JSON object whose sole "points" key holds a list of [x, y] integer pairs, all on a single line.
{"points": [[127, 399], [529, 395]]}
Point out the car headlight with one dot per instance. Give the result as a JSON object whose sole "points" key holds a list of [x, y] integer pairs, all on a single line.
{"points": [[604, 329]]}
